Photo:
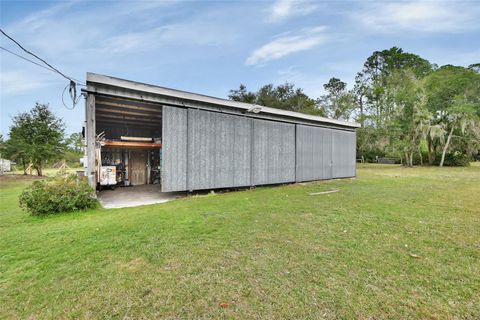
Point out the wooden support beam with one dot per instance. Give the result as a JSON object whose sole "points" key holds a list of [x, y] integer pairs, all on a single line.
{"points": [[131, 144], [123, 112], [133, 105], [118, 123], [127, 118], [90, 139], [128, 108]]}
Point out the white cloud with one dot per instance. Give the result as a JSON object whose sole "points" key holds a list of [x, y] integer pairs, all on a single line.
{"points": [[54, 32], [288, 44], [284, 9], [424, 16], [193, 32], [19, 82]]}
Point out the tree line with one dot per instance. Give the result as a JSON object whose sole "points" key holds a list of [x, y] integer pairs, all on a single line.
{"points": [[408, 107]]}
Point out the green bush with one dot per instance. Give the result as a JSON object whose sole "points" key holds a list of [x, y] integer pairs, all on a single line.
{"points": [[72, 159], [371, 155], [61, 193], [454, 159]]}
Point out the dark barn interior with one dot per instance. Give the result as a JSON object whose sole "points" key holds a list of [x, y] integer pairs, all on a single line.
{"points": [[130, 135]]}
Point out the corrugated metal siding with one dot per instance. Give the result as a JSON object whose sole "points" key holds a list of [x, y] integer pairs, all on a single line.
{"points": [[218, 150], [174, 149], [318, 155], [208, 150], [201, 149], [242, 151], [324, 153], [343, 154], [309, 150], [327, 162], [352, 153], [273, 152]]}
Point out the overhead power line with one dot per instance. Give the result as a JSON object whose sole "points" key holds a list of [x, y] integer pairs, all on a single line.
{"points": [[73, 82], [22, 57], [35, 63], [52, 68]]}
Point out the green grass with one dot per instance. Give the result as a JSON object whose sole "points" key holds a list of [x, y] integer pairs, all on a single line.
{"points": [[395, 243], [46, 171]]}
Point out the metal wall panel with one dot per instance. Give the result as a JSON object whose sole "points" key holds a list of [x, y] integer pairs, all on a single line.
{"points": [[273, 157], [327, 161], [352, 155], [174, 149], [242, 151], [309, 153], [208, 150], [343, 153], [314, 153], [338, 154], [218, 150]]}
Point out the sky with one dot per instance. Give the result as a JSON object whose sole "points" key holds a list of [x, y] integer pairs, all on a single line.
{"points": [[210, 47]]}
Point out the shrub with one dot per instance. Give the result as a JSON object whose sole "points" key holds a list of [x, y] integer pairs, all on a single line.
{"points": [[61, 193], [454, 159], [371, 155], [73, 159]]}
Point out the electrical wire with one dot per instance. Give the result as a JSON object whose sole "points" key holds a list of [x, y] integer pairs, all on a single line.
{"points": [[73, 82], [73, 96], [63, 100], [78, 82], [33, 54], [75, 101], [22, 57]]}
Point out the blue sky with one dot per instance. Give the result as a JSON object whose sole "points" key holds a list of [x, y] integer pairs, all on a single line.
{"points": [[211, 47]]}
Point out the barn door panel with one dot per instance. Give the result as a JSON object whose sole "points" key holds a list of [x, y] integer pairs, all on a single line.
{"points": [[218, 150], [327, 160], [310, 153], [273, 157], [174, 149], [344, 153]]}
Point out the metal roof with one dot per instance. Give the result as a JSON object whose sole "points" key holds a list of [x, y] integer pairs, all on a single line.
{"points": [[153, 89]]}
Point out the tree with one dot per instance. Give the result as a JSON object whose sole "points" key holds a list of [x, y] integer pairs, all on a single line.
{"points": [[338, 102], [463, 115], [411, 121], [2, 145], [17, 146], [377, 105], [475, 67], [453, 95], [372, 80], [284, 96], [74, 142], [242, 95], [36, 137], [335, 86], [360, 92], [383, 63]]}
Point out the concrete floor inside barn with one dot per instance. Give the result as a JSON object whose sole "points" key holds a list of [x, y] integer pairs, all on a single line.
{"points": [[136, 196]]}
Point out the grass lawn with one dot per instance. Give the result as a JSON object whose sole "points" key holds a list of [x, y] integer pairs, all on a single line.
{"points": [[393, 243]]}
